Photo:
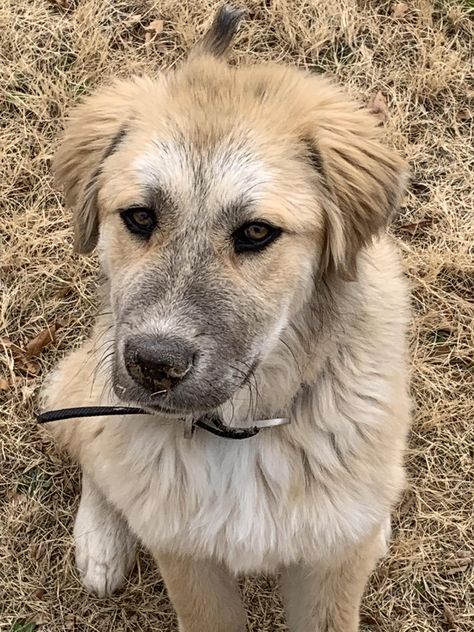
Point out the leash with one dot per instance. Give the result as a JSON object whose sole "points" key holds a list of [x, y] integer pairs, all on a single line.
{"points": [[208, 422]]}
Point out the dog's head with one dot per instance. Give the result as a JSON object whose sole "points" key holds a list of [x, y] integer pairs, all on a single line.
{"points": [[217, 197]]}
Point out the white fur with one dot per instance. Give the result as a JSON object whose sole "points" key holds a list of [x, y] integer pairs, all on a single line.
{"points": [[284, 495], [105, 548]]}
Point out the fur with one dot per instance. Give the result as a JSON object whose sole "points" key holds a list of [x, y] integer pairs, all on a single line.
{"points": [[213, 146]]}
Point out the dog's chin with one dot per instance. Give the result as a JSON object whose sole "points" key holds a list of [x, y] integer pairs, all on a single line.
{"points": [[169, 406]]}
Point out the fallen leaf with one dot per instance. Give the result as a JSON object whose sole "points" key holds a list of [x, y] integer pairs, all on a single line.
{"points": [[459, 561], [133, 19], [377, 106], [399, 10], [152, 31], [456, 570], [63, 292], [155, 27], [8, 344], [4, 384], [412, 229], [37, 551], [36, 345], [30, 367], [464, 115], [20, 359], [449, 617], [39, 593]]}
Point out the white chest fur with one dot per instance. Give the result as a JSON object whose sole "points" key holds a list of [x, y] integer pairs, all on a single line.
{"points": [[299, 492]]}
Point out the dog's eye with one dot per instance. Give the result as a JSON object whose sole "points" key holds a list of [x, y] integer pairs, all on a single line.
{"points": [[139, 220], [254, 236]]}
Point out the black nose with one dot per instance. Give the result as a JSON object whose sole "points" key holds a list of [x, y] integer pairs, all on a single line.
{"points": [[157, 364]]}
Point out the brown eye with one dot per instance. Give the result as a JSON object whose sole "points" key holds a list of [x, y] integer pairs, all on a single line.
{"points": [[256, 232], [254, 236], [139, 220]]}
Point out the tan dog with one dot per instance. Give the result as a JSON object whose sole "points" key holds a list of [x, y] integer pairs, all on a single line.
{"points": [[238, 215]]}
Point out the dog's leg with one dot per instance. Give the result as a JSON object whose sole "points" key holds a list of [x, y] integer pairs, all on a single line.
{"points": [[205, 595], [105, 548], [326, 597]]}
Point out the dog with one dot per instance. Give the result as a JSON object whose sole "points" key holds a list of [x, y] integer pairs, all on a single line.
{"points": [[239, 216]]}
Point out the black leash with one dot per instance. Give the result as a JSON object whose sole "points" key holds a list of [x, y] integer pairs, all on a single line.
{"points": [[209, 422]]}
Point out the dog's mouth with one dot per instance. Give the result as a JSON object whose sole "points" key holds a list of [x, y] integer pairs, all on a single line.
{"points": [[177, 404]]}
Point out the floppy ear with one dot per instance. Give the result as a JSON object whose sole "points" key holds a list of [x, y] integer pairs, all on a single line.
{"points": [[92, 134], [362, 183]]}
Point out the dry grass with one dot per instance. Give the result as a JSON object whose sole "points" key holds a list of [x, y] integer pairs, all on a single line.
{"points": [[52, 52]]}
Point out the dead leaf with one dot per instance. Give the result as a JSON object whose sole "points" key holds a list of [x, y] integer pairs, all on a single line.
{"points": [[8, 344], [449, 617], [399, 10], [412, 229], [37, 550], [20, 359], [39, 593], [133, 19], [46, 337], [155, 27], [377, 106], [456, 570], [152, 31], [464, 115], [63, 292], [456, 562], [30, 367], [4, 384], [36, 345]]}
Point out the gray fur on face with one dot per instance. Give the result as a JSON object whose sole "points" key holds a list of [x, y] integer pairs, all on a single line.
{"points": [[190, 286]]}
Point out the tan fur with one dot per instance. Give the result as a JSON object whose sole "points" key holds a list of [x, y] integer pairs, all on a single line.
{"points": [[311, 499]]}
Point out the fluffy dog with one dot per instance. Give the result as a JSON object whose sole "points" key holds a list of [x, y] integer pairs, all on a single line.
{"points": [[239, 218]]}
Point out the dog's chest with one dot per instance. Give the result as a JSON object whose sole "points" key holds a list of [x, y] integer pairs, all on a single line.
{"points": [[254, 504]]}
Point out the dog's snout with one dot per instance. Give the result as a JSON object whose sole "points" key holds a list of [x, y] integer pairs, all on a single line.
{"points": [[158, 364]]}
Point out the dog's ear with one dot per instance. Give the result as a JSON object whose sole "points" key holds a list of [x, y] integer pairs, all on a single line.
{"points": [[361, 182], [94, 131]]}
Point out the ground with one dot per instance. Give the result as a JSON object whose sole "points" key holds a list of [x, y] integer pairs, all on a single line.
{"points": [[410, 62]]}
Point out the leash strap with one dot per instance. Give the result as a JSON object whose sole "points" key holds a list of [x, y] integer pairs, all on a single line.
{"points": [[211, 423]]}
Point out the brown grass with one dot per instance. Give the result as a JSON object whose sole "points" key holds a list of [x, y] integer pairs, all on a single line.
{"points": [[54, 51]]}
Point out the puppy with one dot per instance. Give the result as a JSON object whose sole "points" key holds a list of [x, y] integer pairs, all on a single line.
{"points": [[239, 217]]}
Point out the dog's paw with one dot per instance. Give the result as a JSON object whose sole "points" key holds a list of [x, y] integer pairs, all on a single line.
{"points": [[105, 551], [102, 569]]}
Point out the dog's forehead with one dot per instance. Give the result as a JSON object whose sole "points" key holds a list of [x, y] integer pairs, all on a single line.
{"points": [[225, 170]]}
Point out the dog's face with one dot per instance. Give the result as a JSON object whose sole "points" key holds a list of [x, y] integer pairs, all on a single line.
{"points": [[217, 197]]}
